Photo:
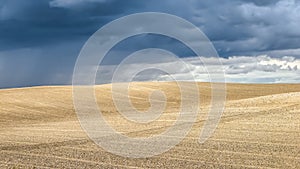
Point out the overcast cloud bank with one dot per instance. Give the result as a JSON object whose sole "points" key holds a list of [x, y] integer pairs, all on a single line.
{"points": [[244, 69]]}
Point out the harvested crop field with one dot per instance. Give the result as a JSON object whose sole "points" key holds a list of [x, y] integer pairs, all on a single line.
{"points": [[260, 128]]}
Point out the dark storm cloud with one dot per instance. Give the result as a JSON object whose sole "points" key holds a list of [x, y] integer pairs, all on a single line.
{"points": [[239, 27], [38, 22], [272, 24], [57, 29]]}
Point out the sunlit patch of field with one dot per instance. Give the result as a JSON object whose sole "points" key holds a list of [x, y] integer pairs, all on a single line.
{"points": [[260, 128]]}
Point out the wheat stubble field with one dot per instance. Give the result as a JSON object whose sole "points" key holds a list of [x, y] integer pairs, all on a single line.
{"points": [[260, 128]]}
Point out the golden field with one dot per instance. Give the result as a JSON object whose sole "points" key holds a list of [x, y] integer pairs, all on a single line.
{"points": [[260, 128]]}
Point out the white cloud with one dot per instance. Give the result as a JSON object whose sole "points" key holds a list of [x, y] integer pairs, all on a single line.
{"points": [[244, 69], [284, 63]]}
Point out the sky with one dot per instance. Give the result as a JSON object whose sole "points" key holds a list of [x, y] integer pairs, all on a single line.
{"points": [[258, 40]]}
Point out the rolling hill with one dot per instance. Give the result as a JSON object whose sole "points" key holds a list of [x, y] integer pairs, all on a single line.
{"points": [[260, 128]]}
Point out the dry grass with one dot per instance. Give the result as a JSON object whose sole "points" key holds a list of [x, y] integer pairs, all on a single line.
{"points": [[259, 129]]}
